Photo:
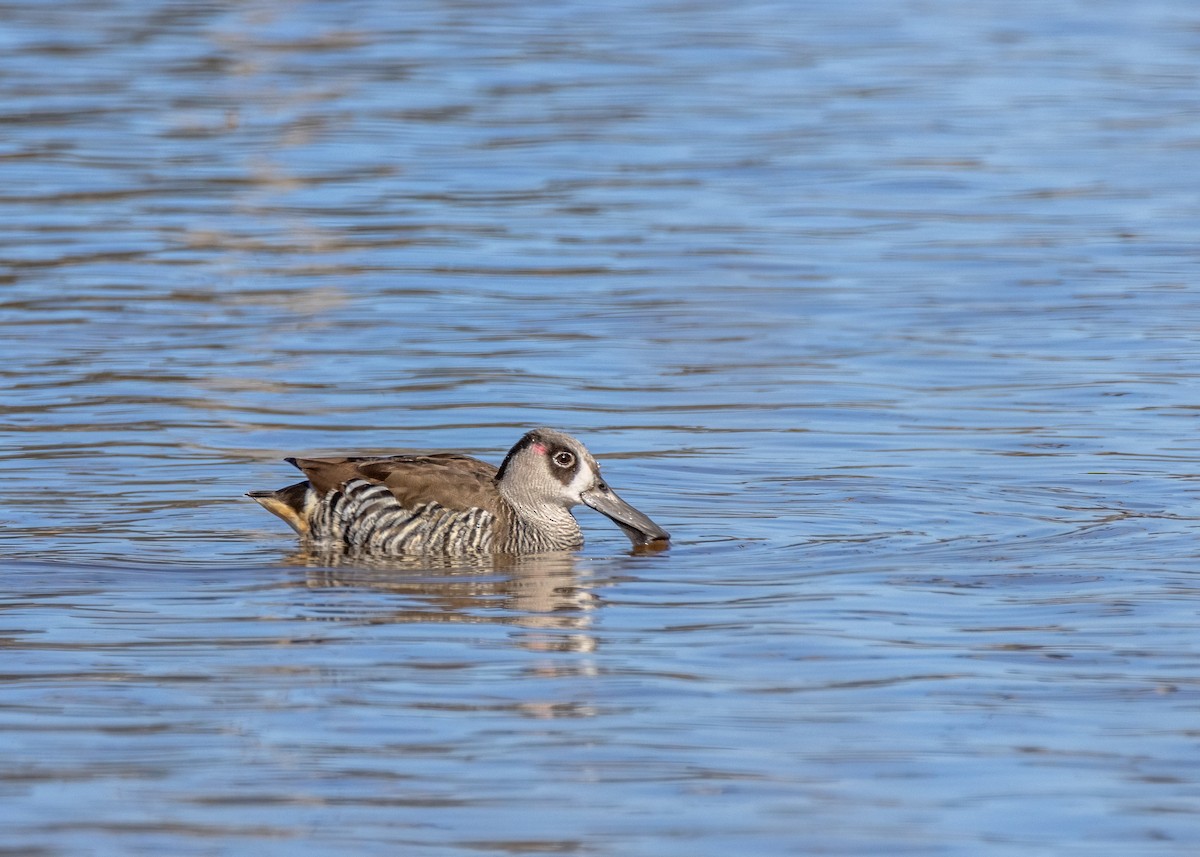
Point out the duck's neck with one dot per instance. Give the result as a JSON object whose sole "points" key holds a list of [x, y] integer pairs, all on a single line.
{"points": [[543, 528]]}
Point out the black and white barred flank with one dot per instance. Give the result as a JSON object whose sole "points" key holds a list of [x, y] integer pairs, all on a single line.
{"points": [[365, 516]]}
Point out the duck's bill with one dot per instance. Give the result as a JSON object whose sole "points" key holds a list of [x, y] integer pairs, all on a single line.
{"points": [[640, 529]]}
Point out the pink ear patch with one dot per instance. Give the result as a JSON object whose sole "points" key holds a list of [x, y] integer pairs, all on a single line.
{"points": [[540, 448]]}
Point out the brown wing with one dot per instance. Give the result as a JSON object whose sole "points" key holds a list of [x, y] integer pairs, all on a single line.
{"points": [[450, 480]]}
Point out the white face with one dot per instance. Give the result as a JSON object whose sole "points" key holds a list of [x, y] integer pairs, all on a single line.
{"points": [[585, 478]]}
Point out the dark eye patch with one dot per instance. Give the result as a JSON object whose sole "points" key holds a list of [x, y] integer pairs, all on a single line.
{"points": [[563, 459], [563, 464]]}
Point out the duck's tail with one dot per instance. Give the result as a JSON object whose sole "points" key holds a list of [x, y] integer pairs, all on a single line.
{"points": [[290, 504]]}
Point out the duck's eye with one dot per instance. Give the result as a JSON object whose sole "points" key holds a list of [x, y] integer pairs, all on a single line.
{"points": [[564, 459]]}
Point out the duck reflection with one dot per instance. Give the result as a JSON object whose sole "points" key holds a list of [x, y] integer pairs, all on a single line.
{"points": [[539, 591]]}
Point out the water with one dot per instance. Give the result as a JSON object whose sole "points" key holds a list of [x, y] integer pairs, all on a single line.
{"points": [[887, 311]]}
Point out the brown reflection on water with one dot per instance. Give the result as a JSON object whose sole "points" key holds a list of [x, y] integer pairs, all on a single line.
{"points": [[543, 591]]}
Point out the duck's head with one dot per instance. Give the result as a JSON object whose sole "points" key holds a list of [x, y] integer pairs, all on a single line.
{"points": [[549, 469]]}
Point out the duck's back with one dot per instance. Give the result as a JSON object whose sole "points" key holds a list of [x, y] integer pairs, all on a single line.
{"points": [[440, 503]]}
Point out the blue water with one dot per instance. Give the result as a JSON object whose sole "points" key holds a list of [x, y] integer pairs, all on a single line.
{"points": [[888, 312]]}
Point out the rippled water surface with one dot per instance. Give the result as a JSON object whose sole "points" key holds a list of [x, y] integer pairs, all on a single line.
{"points": [[888, 311]]}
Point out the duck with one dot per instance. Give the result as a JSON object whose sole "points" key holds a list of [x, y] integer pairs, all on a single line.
{"points": [[449, 503]]}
